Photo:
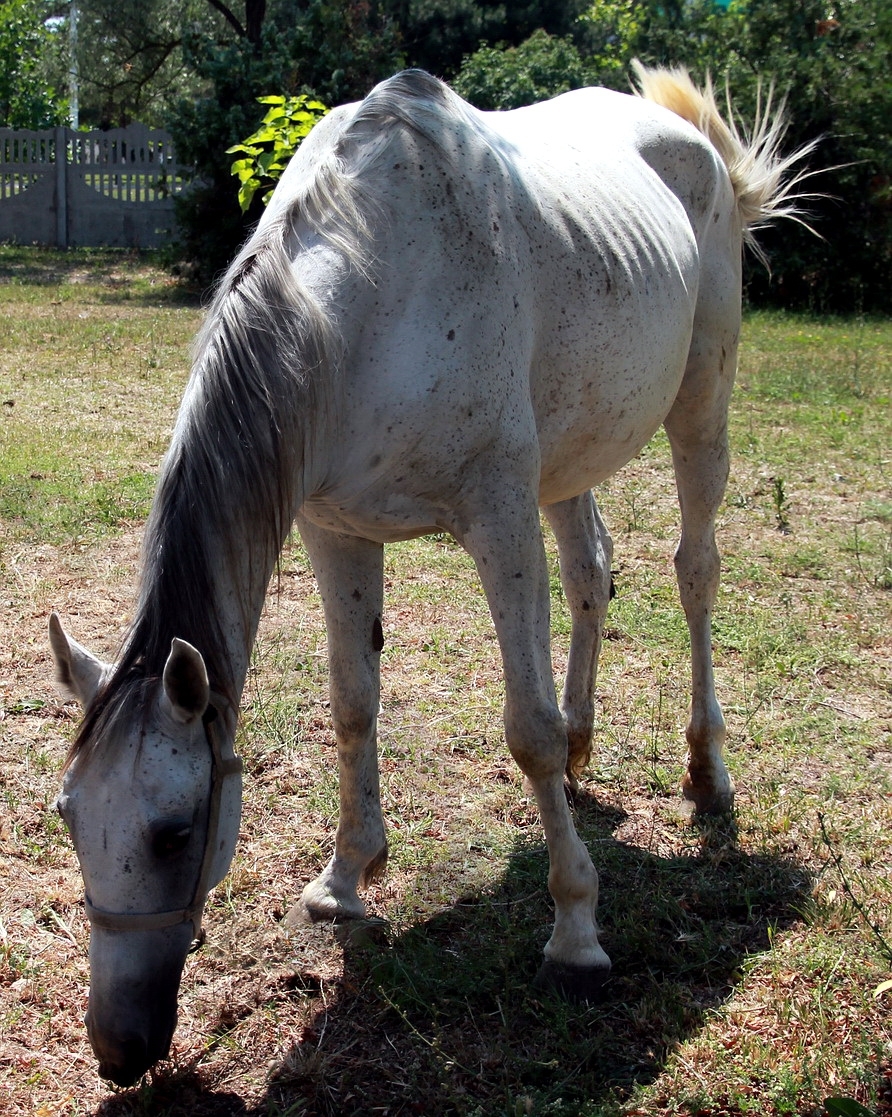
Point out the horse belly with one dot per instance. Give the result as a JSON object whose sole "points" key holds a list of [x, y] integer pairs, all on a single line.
{"points": [[615, 295], [603, 384]]}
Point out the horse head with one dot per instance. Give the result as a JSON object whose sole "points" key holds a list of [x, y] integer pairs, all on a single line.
{"points": [[151, 797]]}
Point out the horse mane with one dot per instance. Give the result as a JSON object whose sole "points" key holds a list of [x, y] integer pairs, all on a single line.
{"points": [[232, 478], [264, 367], [761, 176]]}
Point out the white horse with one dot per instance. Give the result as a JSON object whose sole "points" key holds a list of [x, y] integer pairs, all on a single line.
{"points": [[445, 320]]}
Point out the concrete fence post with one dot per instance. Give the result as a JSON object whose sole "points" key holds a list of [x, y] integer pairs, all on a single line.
{"points": [[61, 154]]}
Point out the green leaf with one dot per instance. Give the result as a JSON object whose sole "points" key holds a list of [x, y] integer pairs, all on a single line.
{"points": [[246, 193], [245, 174], [262, 136], [268, 151]]}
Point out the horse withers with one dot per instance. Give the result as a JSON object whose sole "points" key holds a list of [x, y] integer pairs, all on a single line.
{"points": [[445, 320]]}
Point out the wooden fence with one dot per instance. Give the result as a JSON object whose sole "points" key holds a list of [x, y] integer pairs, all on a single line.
{"points": [[88, 189]]}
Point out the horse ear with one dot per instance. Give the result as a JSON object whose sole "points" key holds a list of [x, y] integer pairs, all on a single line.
{"points": [[78, 671], [186, 682]]}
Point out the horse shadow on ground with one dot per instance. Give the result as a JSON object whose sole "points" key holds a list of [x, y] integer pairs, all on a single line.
{"points": [[442, 1018]]}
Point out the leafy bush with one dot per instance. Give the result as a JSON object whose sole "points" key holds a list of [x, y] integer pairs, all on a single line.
{"points": [[327, 50], [27, 99], [265, 154], [508, 77]]}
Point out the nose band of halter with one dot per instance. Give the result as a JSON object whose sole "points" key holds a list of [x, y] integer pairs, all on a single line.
{"points": [[221, 767]]}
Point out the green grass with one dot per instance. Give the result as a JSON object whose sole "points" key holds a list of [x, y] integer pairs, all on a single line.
{"points": [[94, 348], [747, 953]]}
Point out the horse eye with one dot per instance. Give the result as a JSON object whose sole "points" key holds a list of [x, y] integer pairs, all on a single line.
{"points": [[170, 840]]}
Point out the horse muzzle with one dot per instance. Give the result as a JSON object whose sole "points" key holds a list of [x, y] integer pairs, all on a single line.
{"points": [[124, 1059], [132, 1010]]}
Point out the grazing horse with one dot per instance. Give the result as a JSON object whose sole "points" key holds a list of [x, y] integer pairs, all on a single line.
{"points": [[445, 319]]}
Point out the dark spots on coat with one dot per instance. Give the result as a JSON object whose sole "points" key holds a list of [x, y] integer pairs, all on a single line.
{"points": [[585, 606], [519, 574], [376, 460], [127, 868], [356, 595], [451, 335], [377, 635]]}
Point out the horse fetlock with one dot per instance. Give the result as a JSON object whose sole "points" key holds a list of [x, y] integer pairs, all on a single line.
{"points": [[375, 868], [579, 750]]}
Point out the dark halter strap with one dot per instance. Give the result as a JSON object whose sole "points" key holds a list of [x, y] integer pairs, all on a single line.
{"points": [[221, 768]]}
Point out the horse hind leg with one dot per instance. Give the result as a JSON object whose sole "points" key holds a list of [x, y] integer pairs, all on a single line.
{"points": [[697, 427], [586, 550], [350, 577]]}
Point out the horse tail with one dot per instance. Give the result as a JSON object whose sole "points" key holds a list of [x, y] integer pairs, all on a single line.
{"points": [[764, 187]]}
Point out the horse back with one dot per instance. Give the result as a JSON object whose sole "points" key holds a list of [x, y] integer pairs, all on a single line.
{"points": [[535, 285]]}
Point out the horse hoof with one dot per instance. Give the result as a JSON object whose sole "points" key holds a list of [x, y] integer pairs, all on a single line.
{"points": [[303, 914], [572, 983], [710, 800]]}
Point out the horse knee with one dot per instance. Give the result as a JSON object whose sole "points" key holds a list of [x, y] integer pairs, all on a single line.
{"points": [[537, 739], [354, 718]]}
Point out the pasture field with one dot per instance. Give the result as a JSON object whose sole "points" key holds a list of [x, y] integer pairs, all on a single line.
{"points": [[751, 956]]}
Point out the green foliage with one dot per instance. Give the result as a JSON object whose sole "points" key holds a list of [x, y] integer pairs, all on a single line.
{"points": [[130, 57], [610, 30], [265, 154], [438, 34], [846, 1107], [27, 99], [326, 51], [335, 49], [508, 77]]}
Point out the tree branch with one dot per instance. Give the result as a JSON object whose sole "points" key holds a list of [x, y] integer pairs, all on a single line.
{"points": [[229, 17]]}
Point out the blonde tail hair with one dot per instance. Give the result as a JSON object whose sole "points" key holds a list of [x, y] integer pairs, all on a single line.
{"points": [[761, 176]]}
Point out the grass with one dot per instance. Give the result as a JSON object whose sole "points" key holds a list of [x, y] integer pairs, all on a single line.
{"points": [[748, 954]]}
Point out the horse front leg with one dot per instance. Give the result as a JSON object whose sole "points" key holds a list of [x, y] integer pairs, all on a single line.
{"points": [[510, 558], [351, 583], [586, 551]]}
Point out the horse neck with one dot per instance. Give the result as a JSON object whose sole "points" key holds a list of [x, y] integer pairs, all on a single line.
{"points": [[222, 511], [257, 408]]}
